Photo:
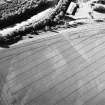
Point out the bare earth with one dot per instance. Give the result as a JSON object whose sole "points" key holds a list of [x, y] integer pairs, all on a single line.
{"points": [[62, 68], [65, 66]]}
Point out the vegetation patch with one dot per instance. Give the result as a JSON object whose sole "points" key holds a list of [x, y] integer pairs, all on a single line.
{"points": [[15, 11], [99, 8]]}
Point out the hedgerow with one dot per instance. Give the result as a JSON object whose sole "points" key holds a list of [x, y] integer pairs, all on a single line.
{"points": [[20, 10]]}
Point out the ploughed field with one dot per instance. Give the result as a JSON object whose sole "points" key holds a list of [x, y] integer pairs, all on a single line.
{"points": [[58, 67], [65, 68]]}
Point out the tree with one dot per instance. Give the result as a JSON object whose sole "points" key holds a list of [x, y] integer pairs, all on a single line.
{"points": [[47, 17]]}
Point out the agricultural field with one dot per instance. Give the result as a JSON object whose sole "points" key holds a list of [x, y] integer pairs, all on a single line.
{"points": [[52, 52]]}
